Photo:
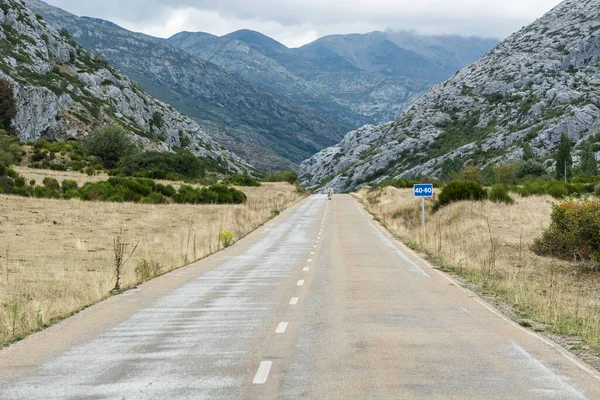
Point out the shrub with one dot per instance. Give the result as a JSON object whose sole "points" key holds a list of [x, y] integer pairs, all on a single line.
{"points": [[51, 184], [10, 151], [241, 180], [215, 194], [168, 190], [172, 166], [558, 189], [471, 173], [19, 182], [226, 237], [69, 185], [154, 198], [499, 194], [111, 144], [458, 191], [530, 168], [574, 233], [290, 177]]}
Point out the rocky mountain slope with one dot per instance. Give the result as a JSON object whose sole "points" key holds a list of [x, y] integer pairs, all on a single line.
{"points": [[539, 83], [251, 56], [62, 92], [268, 131], [355, 79]]}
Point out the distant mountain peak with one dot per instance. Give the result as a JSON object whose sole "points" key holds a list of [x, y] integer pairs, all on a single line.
{"points": [[103, 22]]}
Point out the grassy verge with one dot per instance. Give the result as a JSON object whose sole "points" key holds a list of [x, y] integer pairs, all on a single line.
{"points": [[57, 256], [488, 245]]}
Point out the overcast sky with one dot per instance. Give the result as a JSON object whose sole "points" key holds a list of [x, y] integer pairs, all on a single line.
{"points": [[297, 22]]}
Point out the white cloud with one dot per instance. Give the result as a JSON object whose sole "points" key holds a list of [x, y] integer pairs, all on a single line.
{"points": [[296, 22]]}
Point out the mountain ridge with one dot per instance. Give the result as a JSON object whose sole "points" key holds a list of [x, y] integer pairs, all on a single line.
{"points": [[537, 84], [321, 77], [268, 131]]}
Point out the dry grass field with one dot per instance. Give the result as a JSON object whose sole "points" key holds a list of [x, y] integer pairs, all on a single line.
{"points": [[56, 256], [488, 245]]}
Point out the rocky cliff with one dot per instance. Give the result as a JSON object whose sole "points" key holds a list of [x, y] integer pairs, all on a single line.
{"points": [[62, 92], [539, 83]]}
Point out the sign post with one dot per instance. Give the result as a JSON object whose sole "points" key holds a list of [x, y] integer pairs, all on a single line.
{"points": [[422, 191]]}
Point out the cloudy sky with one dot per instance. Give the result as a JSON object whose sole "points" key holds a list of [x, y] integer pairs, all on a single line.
{"points": [[297, 22]]}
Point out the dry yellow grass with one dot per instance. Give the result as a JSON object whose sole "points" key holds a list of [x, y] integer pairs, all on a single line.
{"points": [[488, 244], [56, 255]]}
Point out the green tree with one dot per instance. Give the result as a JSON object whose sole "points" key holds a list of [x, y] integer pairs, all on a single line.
{"points": [[563, 158], [111, 144], [527, 152], [450, 168], [8, 109], [588, 164], [10, 151]]}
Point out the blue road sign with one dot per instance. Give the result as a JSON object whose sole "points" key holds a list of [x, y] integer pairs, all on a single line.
{"points": [[424, 190]]}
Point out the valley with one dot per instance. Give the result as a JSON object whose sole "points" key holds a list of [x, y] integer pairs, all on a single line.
{"points": [[164, 228]]}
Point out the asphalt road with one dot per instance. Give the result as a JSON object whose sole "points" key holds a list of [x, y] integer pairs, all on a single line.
{"points": [[318, 304]]}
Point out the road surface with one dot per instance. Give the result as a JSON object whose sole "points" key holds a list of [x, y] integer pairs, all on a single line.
{"points": [[318, 304]]}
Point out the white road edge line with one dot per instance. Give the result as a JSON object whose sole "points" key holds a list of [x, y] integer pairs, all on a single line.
{"points": [[475, 297], [301, 282], [294, 301], [263, 373]]}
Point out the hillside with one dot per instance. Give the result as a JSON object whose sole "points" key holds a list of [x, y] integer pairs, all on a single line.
{"points": [[62, 92], [354, 79], [268, 131], [539, 83]]}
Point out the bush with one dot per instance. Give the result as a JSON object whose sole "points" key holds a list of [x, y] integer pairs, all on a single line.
{"points": [[533, 187], [290, 177], [171, 166], [10, 151], [531, 168], [458, 191], [558, 189], [51, 184], [111, 144], [471, 173], [574, 233], [499, 194], [241, 180], [168, 190], [69, 185], [154, 198], [215, 194]]}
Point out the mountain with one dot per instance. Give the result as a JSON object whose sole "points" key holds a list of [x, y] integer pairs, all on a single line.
{"points": [[62, 92], [252, 57], [266, 130], [539, 83], [355, 79]]}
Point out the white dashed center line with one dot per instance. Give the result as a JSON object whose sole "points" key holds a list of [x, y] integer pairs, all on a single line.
{"points": [[309, 260], [282, 327], [306, 269], [263, 373], [294, 301], [301, 282], [312, 253]]}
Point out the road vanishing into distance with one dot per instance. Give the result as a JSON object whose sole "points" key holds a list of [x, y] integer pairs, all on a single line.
{"points": [[318, 304]]}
